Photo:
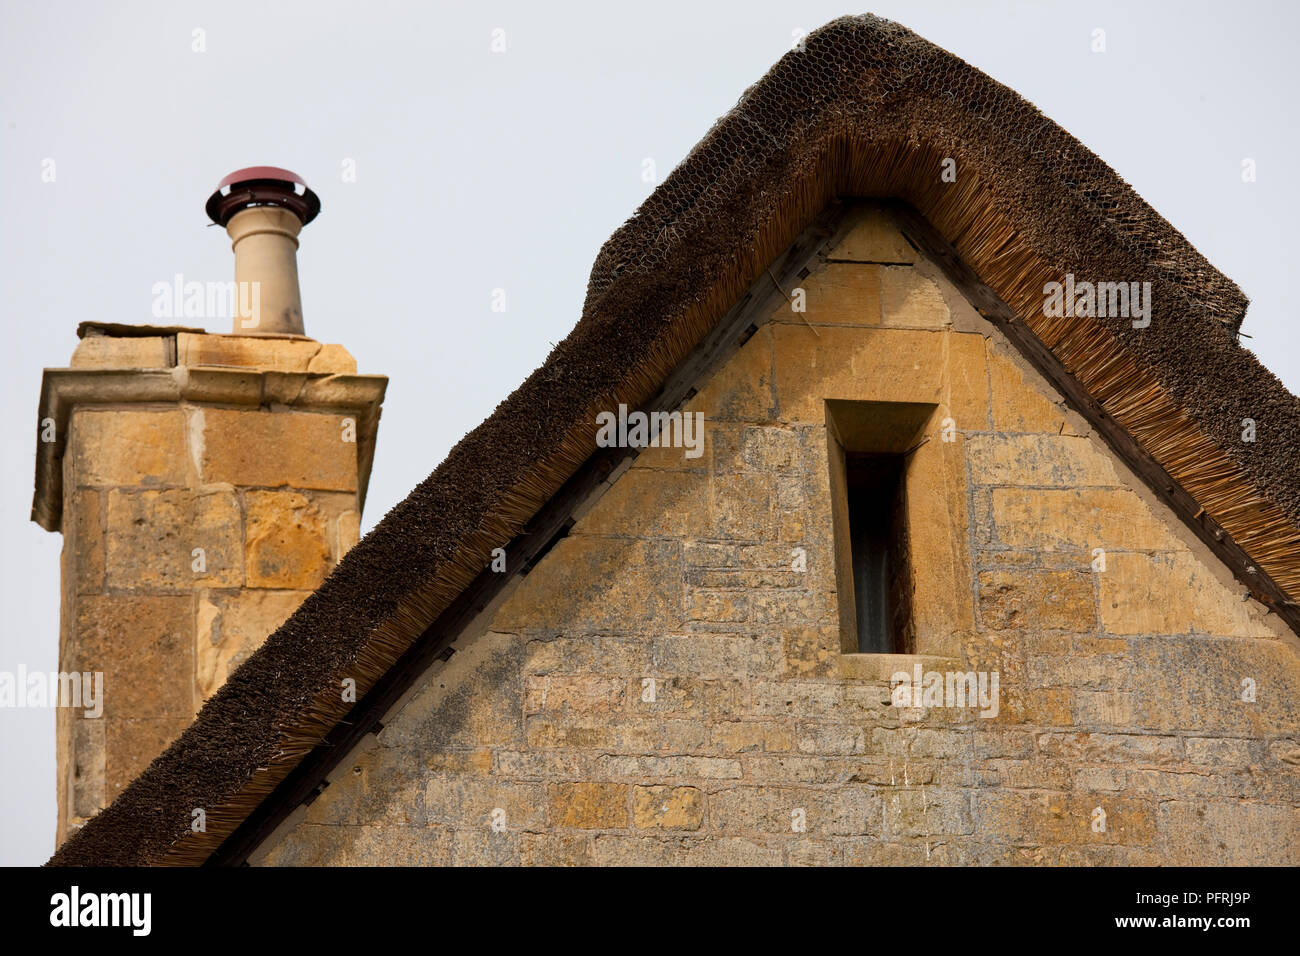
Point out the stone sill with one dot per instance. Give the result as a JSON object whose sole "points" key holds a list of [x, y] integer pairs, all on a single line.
{"points": [[881, 667]]}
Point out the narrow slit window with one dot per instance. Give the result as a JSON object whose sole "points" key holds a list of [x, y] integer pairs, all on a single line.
{"points": [[879, 461], [878, 540]]}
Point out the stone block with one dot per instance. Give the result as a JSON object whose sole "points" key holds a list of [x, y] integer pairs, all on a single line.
{"points": [[1219, 752], [585, 694], [743, 507], [174, 540], [476, 701], [475, 803], [685, 696], [872, 852], [788, 698], [744, 736], [1092, 748], [1046, 600], [1019, 405], [380, 786], [684, 768], [1078, 519], [1058, 461], [869, 365], [839, 293], [810, 651], [874, 238], [718, 607], [486, 848], [286, 541], [145, 648], [1104, 710], [965, 382], [333, 359], [785, 770], [942, 606], [637, 735], [815, 737], [89, 764], [1049, 706], [792, 607], [1240, 833], [707, 654], [1029, 817], [348, 533], [274, 449], [667, 808], [742, 389], [84, 535], [108, 351], [925, 812], [1036, 773], [1106, 672], [1208, 685], [262, 352], [589, 806], [1173, 594], [770, 448], [477, 761], [608, 583], [128, 447], [327, 845], [844, 811], [597, 654], [910, 300], [1098, 778], [649, 503], [555, 849]]}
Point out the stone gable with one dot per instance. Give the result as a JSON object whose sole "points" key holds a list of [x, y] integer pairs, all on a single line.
{"points": [[670, 684]]}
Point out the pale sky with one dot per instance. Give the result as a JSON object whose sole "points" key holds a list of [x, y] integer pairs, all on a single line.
{"points": [[478, 170]]}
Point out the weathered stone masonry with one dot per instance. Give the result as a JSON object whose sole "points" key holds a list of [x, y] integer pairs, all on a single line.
{"points": [[208, 485], [543, 740]]}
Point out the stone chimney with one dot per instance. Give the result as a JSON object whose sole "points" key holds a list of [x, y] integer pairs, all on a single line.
{"points": [[205, 484]]}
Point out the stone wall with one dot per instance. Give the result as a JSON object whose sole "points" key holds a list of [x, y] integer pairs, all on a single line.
{"points": [[191, 532], [666, 687]]}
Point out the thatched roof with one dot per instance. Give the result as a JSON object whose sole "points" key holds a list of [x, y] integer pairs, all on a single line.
{"points": [[868, 109]]}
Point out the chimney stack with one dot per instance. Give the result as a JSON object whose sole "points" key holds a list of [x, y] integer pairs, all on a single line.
{"points": [[204, 485], [263, 211]]}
